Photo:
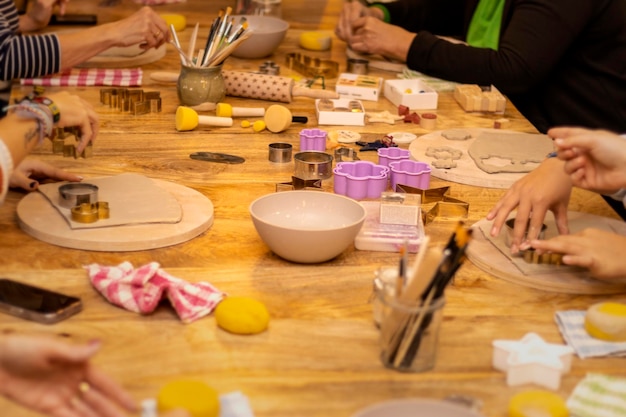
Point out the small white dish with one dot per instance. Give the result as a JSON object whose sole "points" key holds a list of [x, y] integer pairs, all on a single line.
{"points": [[402, 137]]}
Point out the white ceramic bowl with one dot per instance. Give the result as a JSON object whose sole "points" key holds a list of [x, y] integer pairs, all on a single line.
{"points": [[416, 408], [307, 226], [267, 34]]}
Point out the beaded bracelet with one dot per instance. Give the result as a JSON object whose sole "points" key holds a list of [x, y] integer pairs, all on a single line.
{"points": [[42, 114]]}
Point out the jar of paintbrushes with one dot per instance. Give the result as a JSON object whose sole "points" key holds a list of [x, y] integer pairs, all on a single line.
{"points": [[197, 85]]}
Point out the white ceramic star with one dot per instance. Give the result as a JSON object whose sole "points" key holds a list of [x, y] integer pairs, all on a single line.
{"points": [[531, 360]]}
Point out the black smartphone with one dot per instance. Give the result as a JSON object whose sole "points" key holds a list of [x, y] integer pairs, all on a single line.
{"points": [[73, 19], [36, 304]]}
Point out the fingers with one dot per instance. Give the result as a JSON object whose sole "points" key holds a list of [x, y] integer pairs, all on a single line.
{"points": [[97, 402], [110, 390], [89, 127]]}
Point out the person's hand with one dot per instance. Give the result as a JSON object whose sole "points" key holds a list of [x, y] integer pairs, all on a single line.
{"points": [[597, 250], [594, 159], [144, 27], [41, 11], [547, 187], [77, 112], [56, 378], [30, 172], [350, 12], [373, 36]]}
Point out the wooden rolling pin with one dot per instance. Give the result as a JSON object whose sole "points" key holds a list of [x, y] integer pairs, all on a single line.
{"points": [[258, 86]]}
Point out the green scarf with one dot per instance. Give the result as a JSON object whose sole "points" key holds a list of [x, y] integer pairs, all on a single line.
{"points": [[484, 29]]}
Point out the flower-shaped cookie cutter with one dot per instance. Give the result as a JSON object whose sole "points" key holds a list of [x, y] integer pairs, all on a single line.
{"points": [[412, 173], [313, 140], [388, 155], [360, 179]]}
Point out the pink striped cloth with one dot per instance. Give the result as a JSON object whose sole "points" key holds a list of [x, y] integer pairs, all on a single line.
{"points": [[80, 77], [140, 290]]}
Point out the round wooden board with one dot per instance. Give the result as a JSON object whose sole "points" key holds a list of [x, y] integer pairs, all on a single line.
{"points": [[38, 218], [466, 171], [489, 258]]}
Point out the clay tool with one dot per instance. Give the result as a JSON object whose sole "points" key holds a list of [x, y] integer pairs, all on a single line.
{"points": [[226, 110], [192, 44], [188, 119], [278, 118], [221, 158], [257, 86]]}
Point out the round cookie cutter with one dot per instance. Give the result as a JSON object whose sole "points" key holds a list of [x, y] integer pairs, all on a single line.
{"points": [[280, 152], [313, 165], [75, 194]]}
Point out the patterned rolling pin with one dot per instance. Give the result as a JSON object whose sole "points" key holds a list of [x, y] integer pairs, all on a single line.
{"points": [[258, 86]]}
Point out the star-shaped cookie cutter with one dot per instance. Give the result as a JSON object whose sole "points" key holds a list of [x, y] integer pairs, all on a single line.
{"points": [[299, 184], [445, 206], [531, 360]]}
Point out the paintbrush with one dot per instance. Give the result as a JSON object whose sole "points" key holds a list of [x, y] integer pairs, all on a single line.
{"points": [[192, 44]]}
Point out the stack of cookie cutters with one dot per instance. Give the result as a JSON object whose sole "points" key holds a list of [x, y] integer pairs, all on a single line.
{"points": [[360, 179], [444, 206], [403, 169], [82, 200]]}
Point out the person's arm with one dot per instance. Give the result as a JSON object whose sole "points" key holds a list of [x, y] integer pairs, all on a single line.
{"points": [[21, 130], [145, 28], [536, 35], [29, 56]]}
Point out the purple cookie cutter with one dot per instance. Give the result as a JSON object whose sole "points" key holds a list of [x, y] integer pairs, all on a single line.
{"points": [[388, 155], [412, 173], [312, 140], [360, 179]]}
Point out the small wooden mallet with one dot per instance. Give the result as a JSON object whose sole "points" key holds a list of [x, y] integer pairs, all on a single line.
{"points": [[188, 119], [278, 118]]}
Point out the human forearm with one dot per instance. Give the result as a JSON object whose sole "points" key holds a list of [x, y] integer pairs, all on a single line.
{"points": [[20, 135]]}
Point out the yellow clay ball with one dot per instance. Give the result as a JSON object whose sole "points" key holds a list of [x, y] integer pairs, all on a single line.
{"points": [[197, 398], [245, 123], [258, 126], [242, 315], [178, 20], [537, 403], [607, 321]]}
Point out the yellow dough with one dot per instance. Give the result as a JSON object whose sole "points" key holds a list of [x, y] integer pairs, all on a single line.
{"points": [[197, 398], [242, 315], [536, 403], [178, 20], [316, 40], [607, 321]]}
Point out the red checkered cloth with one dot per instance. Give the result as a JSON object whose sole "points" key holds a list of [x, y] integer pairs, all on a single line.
{"points": [[140, 290], [157, 2], [114, 77]]}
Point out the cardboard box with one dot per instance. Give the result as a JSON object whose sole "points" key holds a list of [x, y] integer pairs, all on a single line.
{"points": [[362, 87], [343, 112], [414, 94]]}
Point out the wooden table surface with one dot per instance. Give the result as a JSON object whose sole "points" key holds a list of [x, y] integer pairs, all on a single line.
{"points": [[320, 355]]}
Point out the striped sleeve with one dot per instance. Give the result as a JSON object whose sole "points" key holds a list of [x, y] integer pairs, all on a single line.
{"points": [[25, 56]]}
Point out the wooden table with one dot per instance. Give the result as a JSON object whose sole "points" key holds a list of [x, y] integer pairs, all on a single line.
{"points": [[320, 355]]}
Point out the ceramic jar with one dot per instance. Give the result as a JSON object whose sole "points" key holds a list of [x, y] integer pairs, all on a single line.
{"points": [[197, 85]]}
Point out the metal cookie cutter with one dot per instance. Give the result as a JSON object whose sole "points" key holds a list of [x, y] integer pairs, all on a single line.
{"points": [[75, 194], [299, 184], [445, 206], [90, 213], [510, 224], [312, 67], [348, 153], [532, 257]]}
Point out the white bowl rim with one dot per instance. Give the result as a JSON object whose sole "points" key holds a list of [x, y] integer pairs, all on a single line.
{"points": [[415, 402], [284, 25], [305, 192]]}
